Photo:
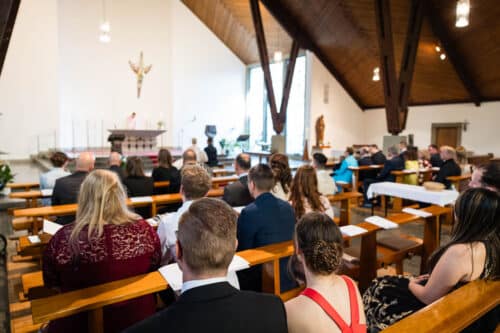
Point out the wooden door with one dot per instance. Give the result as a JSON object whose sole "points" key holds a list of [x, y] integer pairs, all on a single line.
{"points": [[446, 135]]}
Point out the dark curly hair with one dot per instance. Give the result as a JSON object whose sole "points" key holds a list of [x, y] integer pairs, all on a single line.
{"points": [[320, 240], [281, 170]]}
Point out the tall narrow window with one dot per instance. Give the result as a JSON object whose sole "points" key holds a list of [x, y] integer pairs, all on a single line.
{"points": [[258, 113]]}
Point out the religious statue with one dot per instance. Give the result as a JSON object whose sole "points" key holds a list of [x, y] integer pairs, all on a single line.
{"points": [[320, 131], [140, 71]]}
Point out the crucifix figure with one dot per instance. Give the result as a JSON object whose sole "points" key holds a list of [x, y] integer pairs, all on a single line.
{"points": [[140, 71]]}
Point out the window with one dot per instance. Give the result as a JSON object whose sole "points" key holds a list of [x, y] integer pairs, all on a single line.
{"points": [[259, 120]]}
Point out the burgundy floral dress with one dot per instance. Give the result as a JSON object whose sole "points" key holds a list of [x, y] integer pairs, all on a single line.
{"points": [[122, 251]]}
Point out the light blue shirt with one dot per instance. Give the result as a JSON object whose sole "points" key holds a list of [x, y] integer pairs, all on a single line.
{"points": [[48, 181], [199, 283]]}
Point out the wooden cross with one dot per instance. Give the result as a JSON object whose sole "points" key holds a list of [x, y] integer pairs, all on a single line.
{"points": [[140, 71]]}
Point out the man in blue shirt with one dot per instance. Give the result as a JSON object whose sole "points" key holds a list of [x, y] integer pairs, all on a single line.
{"points": [[267, 220]]}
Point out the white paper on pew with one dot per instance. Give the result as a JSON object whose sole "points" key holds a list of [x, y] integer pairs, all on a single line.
{"points": [[34, 239], [238, 209], [50, 227], [141, 199], [375, 166], [47, 192], [352, 230], [416, 212], [173, 275], [381, 222]]}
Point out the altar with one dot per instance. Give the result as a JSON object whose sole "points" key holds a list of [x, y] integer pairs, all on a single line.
{"points": [[134, 140]]}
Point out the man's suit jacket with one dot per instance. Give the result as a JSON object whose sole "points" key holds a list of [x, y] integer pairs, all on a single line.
{"points": [[364, 161], [66, 191], [218, 308], [394, 164], [379, 158], [436, 161], [448, 169], [237, 194], [119, 172], [267, 220]]}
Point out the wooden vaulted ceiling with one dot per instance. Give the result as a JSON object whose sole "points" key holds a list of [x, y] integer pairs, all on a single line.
{"points": [[8, 14], [343, 36]]}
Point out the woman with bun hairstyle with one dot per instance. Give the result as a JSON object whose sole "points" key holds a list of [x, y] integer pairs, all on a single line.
{"points": [[330, 302]]}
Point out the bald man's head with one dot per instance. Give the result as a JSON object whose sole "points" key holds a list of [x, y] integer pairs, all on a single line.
{"points": [[85, 162], [115, 159], [189, 157]]}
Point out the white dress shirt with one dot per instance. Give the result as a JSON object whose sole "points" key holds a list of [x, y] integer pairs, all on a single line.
{"points": [[167, 229], [326, 184], [199, 283]]}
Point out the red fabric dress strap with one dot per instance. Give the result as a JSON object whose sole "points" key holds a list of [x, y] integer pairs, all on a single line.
{"points": [[329, 310], [353, 301]]}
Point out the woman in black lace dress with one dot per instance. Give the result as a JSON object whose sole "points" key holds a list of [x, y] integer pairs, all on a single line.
{"points": [[471, 254]]}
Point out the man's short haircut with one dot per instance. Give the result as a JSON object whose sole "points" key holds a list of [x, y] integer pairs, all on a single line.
{"points": [[262, 176], [207, 235], [393, 150], [210, 140], [349, 150], [449, 151], [189, 156], [58, 159], [374, 146], [364, 151], [195, 181], [244, 161], [433, 146], [320, 159], [403, 143], [491, 175]]}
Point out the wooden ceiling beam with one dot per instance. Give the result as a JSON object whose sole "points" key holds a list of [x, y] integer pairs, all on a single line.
{"points": [[287, 87], [8, 14], [450, 48], [409, 58], [298, 33], [387, 65]]}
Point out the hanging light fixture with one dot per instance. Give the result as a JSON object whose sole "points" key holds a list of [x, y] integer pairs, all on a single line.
{"points": [[105, 26], [376, 74], [463, 10], [442, 56]]}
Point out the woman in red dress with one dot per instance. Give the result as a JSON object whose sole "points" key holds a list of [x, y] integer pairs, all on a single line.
{"points": [[107, 242]]}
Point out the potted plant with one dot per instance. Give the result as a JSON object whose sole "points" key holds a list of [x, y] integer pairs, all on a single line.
{"points": [[6, 175]]}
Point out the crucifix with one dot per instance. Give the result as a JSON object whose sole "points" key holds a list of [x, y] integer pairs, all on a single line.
{"points": [[140, 71]]}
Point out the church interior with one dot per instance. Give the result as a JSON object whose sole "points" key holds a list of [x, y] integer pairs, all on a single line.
{"points": [[350, 150]]}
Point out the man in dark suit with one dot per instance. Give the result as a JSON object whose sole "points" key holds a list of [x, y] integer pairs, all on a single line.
{"points": [[67, 188], [365, 160], [237, 194], [449, 167], [267, 220], [211, 152], [394, 163], [378, 156], [403, 146], [208, 303], [436, 160], [115, 165]]}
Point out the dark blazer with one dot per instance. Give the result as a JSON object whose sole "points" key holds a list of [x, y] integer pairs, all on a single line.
{"points": [[140, 187], [171, 174], [379, 158], [436, 161], [119, 171], [211, 152], [237, 194], [218, 308], [267, 220], [367, 160], [448, 169], [396, 163], [66, 191]]}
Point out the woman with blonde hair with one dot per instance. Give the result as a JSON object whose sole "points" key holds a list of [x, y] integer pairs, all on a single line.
{"points": [[330, 302], [107, 242], [304, 195]]}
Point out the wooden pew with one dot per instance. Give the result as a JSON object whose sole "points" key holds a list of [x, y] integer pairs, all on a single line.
{"points": [[23, 186], [453, 312], [356, 170], [165, 199], [458, 181], [344, 198], [218, 182]]}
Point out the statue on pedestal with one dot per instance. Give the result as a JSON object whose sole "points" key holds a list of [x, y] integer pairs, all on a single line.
{"points": [[320, 131]]}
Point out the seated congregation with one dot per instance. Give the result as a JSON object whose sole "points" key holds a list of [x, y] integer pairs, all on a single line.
{"points": [[267, 204]]}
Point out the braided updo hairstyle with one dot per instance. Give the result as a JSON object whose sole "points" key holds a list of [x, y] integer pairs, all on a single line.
{"points": [[320, 240]]}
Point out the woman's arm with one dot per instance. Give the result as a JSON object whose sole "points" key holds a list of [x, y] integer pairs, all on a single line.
{"points": [[451, 268]]}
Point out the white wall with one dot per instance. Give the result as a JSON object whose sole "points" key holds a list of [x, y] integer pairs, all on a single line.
{"points": [[59, 78], [343, 118], [482, 135], [28, 83]]}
